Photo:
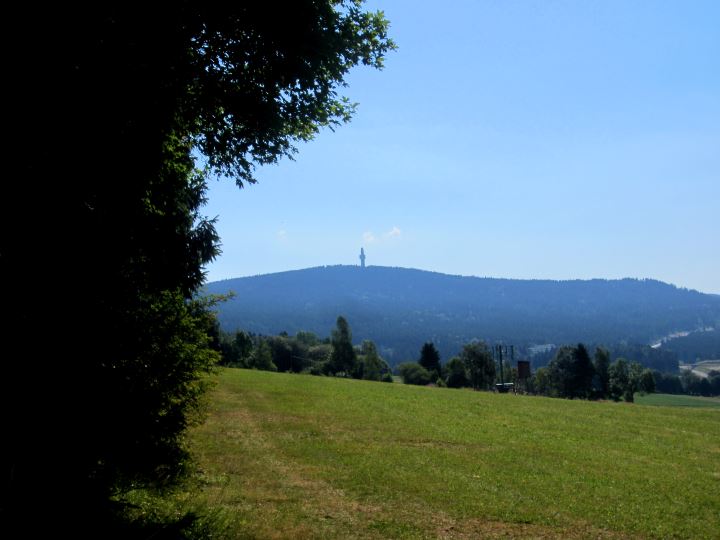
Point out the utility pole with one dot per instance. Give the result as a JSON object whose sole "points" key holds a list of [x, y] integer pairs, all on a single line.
{"points": [[500, 359], [498, 352]]}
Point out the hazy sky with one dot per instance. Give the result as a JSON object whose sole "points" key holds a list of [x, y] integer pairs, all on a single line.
{"points": [[521, 139]]}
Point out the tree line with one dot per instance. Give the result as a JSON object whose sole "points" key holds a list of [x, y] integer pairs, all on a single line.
{"points": [[305, 352], [573, 374], [570, 373], [661, 363], [688, 383], [656, 358]]}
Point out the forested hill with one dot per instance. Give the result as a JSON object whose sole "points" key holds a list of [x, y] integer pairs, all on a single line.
{"points": [[400, 308]]}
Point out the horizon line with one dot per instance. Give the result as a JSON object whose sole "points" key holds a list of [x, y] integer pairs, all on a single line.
{"points": [[457, 275]]}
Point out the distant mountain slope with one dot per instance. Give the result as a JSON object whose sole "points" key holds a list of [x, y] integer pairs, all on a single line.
{"points": [[696, 346], [400, 308]]}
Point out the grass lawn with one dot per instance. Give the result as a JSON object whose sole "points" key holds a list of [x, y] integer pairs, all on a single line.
{"points": [[293, 456], [671, 400]]}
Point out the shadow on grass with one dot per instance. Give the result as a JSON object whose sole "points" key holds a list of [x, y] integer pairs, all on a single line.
{"points": [[116, 522], [161, 518], [190, 526]]}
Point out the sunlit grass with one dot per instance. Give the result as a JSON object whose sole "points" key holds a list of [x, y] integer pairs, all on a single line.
{"points": [[291, 456]]}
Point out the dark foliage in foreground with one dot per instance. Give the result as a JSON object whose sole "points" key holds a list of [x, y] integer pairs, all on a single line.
{"points": [[107, 105]]}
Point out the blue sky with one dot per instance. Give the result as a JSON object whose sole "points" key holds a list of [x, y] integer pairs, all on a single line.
{"points": [[522, 139]]}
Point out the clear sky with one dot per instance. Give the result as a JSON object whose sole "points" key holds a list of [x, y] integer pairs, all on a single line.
{"points": [[544, 139]]}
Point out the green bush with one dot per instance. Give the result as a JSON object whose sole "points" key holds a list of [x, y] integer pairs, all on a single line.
{"points": [[414, 373], [456, 374]]}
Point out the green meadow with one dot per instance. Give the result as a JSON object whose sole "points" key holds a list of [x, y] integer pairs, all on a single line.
{"points": [[672, 400], [294, 456]]}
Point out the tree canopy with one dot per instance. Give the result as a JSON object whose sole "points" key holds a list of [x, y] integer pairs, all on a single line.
{"points": [[480, 365], [370, 365], [601, 363], [414, 373], [571, 372], [456, 373], [343, 358], [430, 358], [112, 105]]}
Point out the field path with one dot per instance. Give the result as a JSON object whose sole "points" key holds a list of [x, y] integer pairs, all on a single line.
{"points": [[275, 497]]}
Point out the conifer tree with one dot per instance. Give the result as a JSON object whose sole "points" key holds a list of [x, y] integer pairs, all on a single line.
{"points": [[430, 359], [343, 358], [601, 362]]}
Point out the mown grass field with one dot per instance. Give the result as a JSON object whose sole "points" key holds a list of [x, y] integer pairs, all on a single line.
{"points": [[293, 456], [671, 400]]}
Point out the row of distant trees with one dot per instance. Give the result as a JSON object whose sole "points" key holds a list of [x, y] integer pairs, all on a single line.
{"points": [[305, 352], [688, 383], [659, 358], [474, 367], [571, 373]]}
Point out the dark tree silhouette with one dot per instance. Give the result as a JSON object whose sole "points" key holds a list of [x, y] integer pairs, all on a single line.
{"points": [[619, 372], [108, 105], [571, 372], [480, 365], [430, 359], [601, 363], [343, 358], [456, 374]]}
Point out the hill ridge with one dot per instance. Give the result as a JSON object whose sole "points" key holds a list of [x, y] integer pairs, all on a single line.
{"points": [[400, 308], [472, 276]]}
